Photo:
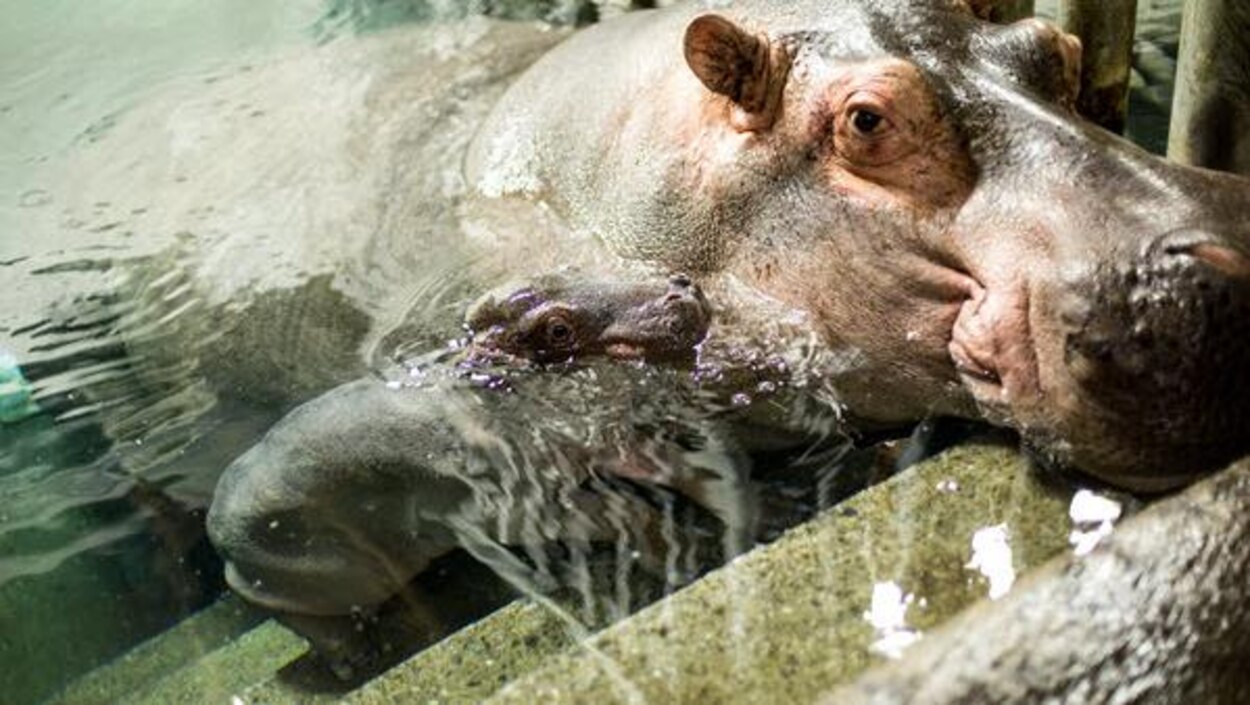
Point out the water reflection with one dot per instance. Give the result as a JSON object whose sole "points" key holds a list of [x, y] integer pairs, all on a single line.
{"points": [[612, 483]]}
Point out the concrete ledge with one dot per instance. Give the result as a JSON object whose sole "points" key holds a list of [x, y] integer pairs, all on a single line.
{"points": [[473, 663], [1155, 614], [209, 630], [786, 622], [217, 677]]}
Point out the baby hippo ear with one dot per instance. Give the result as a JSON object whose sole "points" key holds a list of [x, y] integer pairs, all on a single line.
{"points": [[747, 68]]}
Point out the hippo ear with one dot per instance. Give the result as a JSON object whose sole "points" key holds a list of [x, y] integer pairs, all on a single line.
{"points": [[748, 69]]}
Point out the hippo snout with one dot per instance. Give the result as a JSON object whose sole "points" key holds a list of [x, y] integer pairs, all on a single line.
{"points": [[1156, 349]]}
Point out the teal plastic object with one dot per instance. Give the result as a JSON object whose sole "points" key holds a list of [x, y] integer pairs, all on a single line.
{"points": [[17, 396]]}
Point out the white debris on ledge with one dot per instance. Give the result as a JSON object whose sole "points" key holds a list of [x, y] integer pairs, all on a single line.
{"points": [[1093, 519], [991, 556], [888, 616]]}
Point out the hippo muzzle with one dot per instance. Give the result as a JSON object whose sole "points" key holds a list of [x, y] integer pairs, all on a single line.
{"points": [[1119, 341], [1156, 348]]}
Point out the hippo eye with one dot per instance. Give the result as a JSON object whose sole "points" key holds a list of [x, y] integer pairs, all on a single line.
{"points": [[866, 121], [559, 331]]}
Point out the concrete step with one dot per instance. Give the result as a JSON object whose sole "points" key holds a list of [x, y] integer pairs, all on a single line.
{"points": [[219, 676], [470, 665], [854, 587], [192, 639], [779, 624]]}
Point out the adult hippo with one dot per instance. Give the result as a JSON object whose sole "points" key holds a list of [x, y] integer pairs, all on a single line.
{"points": [[915, 181]]}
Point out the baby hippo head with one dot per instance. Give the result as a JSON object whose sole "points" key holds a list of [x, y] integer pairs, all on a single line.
{"points": [[559, 317]]}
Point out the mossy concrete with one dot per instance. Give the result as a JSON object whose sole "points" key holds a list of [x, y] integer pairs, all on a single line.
{"points": [[217, 677], [1156, 613], [787, 621], [470, 665], [173, 650], [782, 623]]}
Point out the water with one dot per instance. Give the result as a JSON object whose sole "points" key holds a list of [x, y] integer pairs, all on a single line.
{"points": [[116, 416], [171, 288]]}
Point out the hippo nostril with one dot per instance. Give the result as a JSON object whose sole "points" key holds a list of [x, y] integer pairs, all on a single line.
{"points": [[1223, 258], [680, 280]]}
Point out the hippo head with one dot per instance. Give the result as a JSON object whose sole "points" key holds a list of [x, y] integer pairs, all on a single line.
{"points": [[918, 181], [561, 316]]}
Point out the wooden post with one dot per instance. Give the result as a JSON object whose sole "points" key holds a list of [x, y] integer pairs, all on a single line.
{"points": [[1211, 109], [1105, 28]]}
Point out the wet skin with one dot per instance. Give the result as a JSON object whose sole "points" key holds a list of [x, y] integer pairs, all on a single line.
{"points": [[909, 180], [916, 182], [380, 480], [565, 316]]}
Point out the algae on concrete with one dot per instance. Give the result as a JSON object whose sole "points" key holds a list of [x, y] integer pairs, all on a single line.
{"points": [[1156, 613], [472, 664], [201, 634], [221, 675], [787, 621]]}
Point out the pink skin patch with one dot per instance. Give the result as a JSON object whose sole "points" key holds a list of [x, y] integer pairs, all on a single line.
{"points": [[1225, 259], [991, 347]]}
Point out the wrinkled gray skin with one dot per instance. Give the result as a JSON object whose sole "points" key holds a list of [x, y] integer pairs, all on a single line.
{"points": [[375, 480], [389, 478], [561, 317]]}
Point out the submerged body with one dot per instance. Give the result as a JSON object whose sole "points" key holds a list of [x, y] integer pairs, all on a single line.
{"points": [[516, 443]]}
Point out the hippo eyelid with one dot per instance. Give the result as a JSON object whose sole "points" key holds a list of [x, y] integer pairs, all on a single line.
{"points": [[538, 319]]}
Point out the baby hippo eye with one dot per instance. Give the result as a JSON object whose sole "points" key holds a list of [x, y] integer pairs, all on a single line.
{"points": [[865, 121], [559, 330]]}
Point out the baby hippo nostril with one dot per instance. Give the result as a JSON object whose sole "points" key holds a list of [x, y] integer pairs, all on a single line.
{"points": [[680, 280]]}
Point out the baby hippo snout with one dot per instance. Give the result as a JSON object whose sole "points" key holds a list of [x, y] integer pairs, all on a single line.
{"points": [[1158, 349], [561, 316]]}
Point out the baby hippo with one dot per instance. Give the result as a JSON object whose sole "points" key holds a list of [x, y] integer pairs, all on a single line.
{"points": [[558, 317], [355, 492]]}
